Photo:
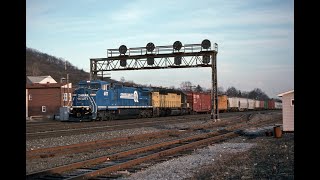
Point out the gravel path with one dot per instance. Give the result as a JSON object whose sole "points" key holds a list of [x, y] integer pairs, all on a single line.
{"points": [[270, 158], [251, 156], [184, 167]]}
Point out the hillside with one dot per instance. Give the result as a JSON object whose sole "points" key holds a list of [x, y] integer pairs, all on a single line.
{"points": [[41, 64]]}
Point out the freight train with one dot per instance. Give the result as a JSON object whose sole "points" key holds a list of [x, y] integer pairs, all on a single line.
{"points": [[101, 100], [200, 102]]}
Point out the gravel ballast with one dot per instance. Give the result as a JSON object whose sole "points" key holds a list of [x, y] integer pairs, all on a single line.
{"points": [[186, 167]]}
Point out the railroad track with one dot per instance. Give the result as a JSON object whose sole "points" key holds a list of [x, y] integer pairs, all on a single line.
{"points": [[64, 129], [85, 130], [32, 127], [102, 144], [102, 167], [86, 124]]}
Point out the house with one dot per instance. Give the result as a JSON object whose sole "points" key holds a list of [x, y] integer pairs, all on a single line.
{"points": [[44, 100], [40, 80], [288, 110]]}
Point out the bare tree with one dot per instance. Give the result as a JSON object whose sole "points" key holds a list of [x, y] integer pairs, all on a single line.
{"points": [[122, 79], [186, 85], [198, 88], [232, 92], [35, 69], [258, 94], [220, 90]]}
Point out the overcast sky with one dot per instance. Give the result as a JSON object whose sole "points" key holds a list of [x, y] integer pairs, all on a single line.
{"points": [[255, 37]]}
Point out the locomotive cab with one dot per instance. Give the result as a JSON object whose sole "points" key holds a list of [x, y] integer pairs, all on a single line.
{"points": [[84, 102]]}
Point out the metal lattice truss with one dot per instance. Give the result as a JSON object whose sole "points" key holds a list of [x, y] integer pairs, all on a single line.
{"points": [[161, 57], [191, 55]]}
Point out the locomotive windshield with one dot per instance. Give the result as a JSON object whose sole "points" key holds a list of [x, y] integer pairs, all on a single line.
{"points": [[92, 86]]}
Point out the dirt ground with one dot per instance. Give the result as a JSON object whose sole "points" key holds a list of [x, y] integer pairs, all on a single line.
{"points": [[270, 158]]}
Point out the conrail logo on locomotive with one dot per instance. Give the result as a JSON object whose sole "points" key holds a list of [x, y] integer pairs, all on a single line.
{"points": [[133, 96], [82, 97]]}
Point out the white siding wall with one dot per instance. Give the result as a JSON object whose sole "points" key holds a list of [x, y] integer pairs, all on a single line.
{"points": [[288, 112]]}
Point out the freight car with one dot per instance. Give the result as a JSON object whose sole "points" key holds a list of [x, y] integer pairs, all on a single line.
{"points": [[251, 104], [100, 100], [256, 105], [233, 104], [237, 104], [201, 102], [277, 105], [168, 102], [222, 103]]}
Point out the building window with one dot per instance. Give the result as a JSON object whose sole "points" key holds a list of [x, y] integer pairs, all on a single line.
{"points": [[43, 108], [30, 97], [65, 96], [292, 102]]}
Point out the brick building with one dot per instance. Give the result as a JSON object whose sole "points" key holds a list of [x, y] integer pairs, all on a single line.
{"points": [[44, 100]]}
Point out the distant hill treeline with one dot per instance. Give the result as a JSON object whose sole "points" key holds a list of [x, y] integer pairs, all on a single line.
{"points": [[42, 64]]}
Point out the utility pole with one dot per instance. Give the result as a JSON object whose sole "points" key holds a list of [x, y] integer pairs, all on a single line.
{"points": [[214, 92], [67, 98]]}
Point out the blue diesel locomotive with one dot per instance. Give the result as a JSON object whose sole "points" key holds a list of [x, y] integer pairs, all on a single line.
{"points": [[101, 100]]}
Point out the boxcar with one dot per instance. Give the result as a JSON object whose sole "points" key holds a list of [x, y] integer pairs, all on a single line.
{"points": [[278, 105], [199, 102], [243, 104], [222, 103], [251, 104], [233, 104], [271, 104], [257, 104], [265, 104]]}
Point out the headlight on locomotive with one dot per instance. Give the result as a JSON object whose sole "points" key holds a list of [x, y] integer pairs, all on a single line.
{"points": [[71, 110]]}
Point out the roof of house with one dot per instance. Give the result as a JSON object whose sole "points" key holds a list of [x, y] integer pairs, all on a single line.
{"points": [[49, 85], [38, 79], [288, 92]]}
